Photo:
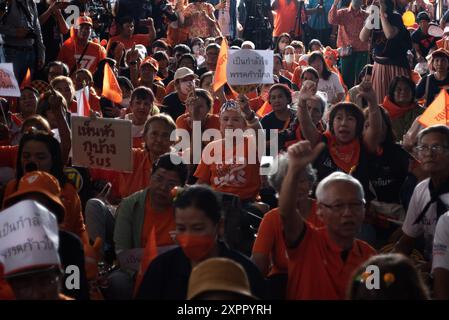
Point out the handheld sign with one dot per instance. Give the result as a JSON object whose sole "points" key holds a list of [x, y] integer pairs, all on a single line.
{"points": [[8, 82], [102, 143], [249, 67], [28, 237]]}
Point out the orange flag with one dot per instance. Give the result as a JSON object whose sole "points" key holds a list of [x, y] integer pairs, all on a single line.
{"points": [[111, 88], [220, 70], [26, 82], [149, 253], [437, 112], [264, 109]]}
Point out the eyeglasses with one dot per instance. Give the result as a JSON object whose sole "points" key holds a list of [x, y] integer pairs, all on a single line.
{"points": [[437, 149], [340, 207]]}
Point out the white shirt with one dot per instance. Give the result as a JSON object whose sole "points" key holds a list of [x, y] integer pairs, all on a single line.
{"points": [[331, 86], [426, 227], [441, 243]]}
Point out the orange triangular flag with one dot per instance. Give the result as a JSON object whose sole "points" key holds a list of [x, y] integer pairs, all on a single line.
{"points": [[111, 88], [264, 109], [26, 82], [437, 112], [149, 253], [220, 71], [72, 32]]}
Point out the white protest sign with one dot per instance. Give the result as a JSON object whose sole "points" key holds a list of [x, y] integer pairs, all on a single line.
{"points": [[8, 82], [102, 143], [249, 67], [28, 237]]}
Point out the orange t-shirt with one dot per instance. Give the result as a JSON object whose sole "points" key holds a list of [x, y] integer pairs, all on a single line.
{"points": [[143, 39], [163, 222], [70, 53], [242, 180], [290, 68], [270, 238], [170, 87], [212, 122], [73, 219], [126, 183], [297, 76], [316, 270], [285, 18], [8, 156]]}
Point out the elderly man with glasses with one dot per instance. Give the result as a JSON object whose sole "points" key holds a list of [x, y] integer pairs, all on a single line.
{"points": [[321, 261], [430, 198]]}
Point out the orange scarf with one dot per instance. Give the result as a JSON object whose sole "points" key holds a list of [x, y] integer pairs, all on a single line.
{"points": [[346, 157], [394, 110]]}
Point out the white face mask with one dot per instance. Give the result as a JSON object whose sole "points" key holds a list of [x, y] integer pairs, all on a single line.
{"points": [[288, 58]]}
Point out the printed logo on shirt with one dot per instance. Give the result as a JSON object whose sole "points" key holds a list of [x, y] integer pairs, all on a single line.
{"points": [[86, 62], [230, 175], [439, 249]]}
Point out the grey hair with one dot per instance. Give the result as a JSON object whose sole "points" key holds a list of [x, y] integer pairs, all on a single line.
{"points": [[340, 177], [281, 162]]}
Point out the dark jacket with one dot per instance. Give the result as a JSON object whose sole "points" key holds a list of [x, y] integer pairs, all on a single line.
{"points": [[167, 277]]}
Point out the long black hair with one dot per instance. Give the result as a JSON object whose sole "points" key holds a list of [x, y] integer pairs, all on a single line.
{"points": [[54, 148], [326, 71]]}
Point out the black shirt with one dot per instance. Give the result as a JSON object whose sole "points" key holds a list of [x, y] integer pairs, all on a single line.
{"points": [[387, 172], [325, 165], [425, 42], [71, 252], [392, 51], [51, 34], [270, 121], [173, 106], [167, 277], [434, 87]]}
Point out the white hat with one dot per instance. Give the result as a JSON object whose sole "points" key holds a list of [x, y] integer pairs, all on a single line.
{"points": [[183, 72]]}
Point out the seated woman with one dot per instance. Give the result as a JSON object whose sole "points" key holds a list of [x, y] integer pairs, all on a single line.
{"points": [[364, 75], [27, 107], [346, 145], [328, 80], [288, 62], [237, 172], [199, 109], [38, 150], [280, 99], [174, 103], [199, 227], [269, 252], [156, 133], [430, 85], [401, 105], [387, 170]]}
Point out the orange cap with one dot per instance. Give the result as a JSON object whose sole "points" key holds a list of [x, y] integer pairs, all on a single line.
{"points": [[152, 62], [43, 183], [84, 20]]}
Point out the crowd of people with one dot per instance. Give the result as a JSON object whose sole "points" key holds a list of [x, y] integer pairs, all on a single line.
{"points": [[358, 194]]}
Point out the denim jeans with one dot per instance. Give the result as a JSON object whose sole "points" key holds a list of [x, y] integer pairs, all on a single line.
{"points": [[22, 59]]}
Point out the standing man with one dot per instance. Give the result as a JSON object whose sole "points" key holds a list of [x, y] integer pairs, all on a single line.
{"points": [[354, 52], [23, 44], [320, 28], [80, 52], [422, 41]]}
